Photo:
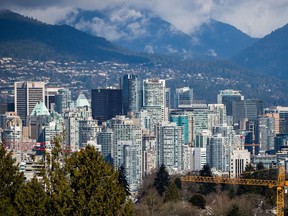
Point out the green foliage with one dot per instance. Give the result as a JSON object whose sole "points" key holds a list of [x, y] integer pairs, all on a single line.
{"points": [[95, 185], [32, 199], [172, 193], [206, 188], [178, 183], [161, 180], [198, 200], [122, 179], [10, 182]]}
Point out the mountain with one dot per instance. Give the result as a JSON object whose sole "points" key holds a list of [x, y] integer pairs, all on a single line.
{"points": [[24, 37], [269, 55], [143, 31]]}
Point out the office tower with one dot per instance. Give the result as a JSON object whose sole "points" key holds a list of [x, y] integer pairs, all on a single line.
{"points": [[50, 93], [265, 133], [184, 97], [26, 95], [250, 109], [186, 121], [239, 158], [105, 139], [62, 100], [170, 141], [131, 93], [88, 131], [127, 149], [106, 104], [227, 97]]}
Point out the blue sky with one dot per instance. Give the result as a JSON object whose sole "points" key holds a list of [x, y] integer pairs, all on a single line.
{"points": [[257, 18]]}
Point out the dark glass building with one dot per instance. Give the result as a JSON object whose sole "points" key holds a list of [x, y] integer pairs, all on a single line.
{"points": [[131, 93], [106, 104]]}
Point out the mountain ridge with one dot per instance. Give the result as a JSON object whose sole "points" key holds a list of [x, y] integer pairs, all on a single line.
{"points": [[61, 41]]}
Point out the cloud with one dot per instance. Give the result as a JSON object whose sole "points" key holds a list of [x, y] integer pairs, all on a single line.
{"points": [[256, 18]]}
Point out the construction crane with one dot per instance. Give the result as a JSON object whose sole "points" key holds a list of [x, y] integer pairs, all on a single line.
{"points": [[280, 184]]}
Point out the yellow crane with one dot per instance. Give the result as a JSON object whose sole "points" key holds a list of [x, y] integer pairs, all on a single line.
{"points": [[280, 183]]}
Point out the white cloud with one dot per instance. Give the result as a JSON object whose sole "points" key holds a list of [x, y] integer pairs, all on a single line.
{"points": [[256, 18]]}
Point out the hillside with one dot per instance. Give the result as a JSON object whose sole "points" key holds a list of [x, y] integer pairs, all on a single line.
{"points": [[145, 32], [23, 37], [269, 55]]}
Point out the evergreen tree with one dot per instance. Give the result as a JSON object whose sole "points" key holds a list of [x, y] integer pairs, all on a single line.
{"points": [[10, 182], [172, 193], [57, 184], [95, 185], [122, 179], [32, 199], [161, 180], [178, 183], [206, 188]]}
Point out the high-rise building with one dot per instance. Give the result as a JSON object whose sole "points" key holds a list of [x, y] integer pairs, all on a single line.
{"points": [[127, 149], [62, 100], [131, 93], [154, 95], [227, 97], [88, 131], [26, 96], [184, 97], [250, 109], [106, 104], [265, 133], [50, 93], [186, 121], [105, 139], [170, 142]]}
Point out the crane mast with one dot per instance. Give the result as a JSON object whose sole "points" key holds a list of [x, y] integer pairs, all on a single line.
{"points": [[280, 183]]}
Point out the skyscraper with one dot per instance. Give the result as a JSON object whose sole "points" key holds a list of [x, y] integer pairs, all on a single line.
{"points": [[62, 100], [170, 142], [154, 102], [250, 109], [106, 104], [227, 97], [131, 93], [26, 96]]}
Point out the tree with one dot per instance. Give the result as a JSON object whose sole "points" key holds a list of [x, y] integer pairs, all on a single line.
{"points": [[206, 188], [122, 179], [178, 183], [10, 182], [161, 181], [32, 199], [95, 185], [172, 193], [198, 200], [57, 184]]}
